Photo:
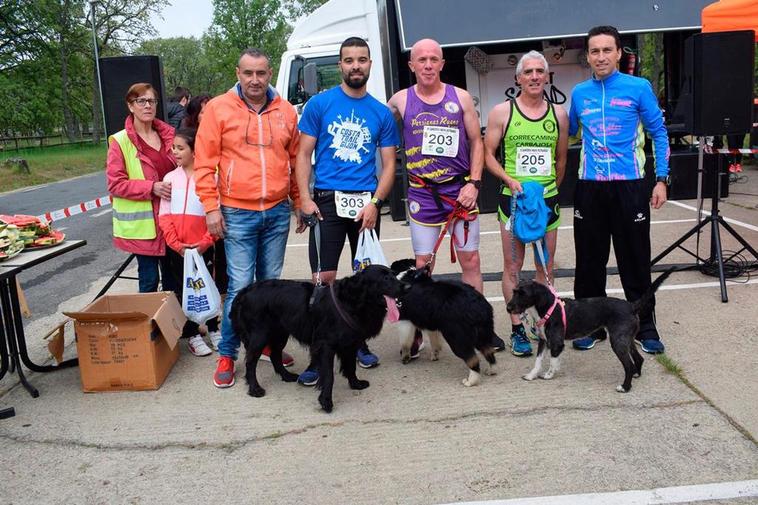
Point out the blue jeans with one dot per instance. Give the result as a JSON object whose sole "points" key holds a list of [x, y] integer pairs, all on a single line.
{"points": [[255, 242], [147, 272]]}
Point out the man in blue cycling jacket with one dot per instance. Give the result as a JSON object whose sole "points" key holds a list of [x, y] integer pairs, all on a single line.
{"points": [[609, 113]]}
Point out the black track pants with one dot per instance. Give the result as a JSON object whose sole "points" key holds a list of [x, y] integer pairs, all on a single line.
{"points": [[617, 211]]}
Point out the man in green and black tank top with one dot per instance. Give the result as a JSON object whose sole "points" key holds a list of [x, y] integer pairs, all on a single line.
{"points": [[531, 134]]}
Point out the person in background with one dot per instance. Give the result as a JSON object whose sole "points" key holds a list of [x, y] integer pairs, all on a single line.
{"points": [[139, 157], [182, 220], [194, 111], [176, 103]]}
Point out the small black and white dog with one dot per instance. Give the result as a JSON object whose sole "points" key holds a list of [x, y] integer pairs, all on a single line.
{"points": [[581, 318], [333, 322], [452, 309]]}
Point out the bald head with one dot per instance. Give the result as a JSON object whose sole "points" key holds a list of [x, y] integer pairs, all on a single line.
{"points": [[424, 45], [426, 63]]}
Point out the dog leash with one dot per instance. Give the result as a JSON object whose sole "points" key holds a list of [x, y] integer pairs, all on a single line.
{"points": [[344, 315], [543, 264], [313, 222], [458, 213]]}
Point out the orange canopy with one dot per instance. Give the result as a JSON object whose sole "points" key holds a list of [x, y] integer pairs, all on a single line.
{"points": [[731, 15]]}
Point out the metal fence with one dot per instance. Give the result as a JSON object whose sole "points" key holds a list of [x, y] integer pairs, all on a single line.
{"points": [[10, 144]]}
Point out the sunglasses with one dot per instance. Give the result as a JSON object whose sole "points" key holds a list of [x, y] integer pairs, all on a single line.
{"points": [[270, 132]]}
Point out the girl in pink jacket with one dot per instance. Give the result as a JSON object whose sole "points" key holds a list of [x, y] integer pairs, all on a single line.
{"points": [[182, 220]]}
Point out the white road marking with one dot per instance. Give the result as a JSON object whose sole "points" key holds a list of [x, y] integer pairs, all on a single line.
{"points": [[497, 232], [659, 496], [101, 213], [62, 228], [708, 212], [665, 287]]}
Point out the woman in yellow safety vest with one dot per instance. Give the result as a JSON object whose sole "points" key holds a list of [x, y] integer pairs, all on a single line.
{"points": [[138, 158]]}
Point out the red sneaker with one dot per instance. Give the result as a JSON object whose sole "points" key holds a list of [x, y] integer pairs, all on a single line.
{"points": [[224, 376], [733, 168], [287, 360], [738, 167]]}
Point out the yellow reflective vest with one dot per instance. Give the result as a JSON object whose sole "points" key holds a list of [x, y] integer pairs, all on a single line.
{"points": [[132, 219]]}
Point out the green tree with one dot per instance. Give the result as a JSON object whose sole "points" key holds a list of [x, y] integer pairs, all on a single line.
{"points": [[185, 63], [296, 9], [22, 33], [48, 77], [239, 24]]}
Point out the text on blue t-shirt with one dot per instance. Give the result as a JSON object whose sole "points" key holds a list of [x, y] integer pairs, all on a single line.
{"points": [[348, 132]]}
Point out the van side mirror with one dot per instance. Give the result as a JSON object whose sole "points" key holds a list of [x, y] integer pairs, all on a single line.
{"points": [[310, 79]]}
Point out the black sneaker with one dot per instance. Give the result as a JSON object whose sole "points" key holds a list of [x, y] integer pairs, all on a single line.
{"points": [[498, 344]]}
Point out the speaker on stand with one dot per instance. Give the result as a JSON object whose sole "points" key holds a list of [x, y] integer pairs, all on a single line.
{"points": [[117, 74], [716, 99]]}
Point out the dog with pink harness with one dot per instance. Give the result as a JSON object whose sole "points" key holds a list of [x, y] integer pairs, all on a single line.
{"points": [[559, 320]]}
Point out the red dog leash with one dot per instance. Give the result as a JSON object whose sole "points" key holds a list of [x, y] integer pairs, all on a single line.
{"points": [[458, 213]]}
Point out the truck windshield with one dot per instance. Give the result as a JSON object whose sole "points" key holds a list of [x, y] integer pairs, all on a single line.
{"points": [[328, 76]]}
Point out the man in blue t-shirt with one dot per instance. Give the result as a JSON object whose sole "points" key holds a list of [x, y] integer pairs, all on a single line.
{"points": [[346, 127]]}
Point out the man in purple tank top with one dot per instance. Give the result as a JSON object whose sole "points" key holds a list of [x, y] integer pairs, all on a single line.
{"points": [[445, 158]]}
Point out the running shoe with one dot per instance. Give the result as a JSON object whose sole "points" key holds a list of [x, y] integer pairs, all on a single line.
{"points": [[287, 360], [224, 376], [309, 377], [520, 345], [367, 359], [652, 346], [198, 347], [215, 338]]}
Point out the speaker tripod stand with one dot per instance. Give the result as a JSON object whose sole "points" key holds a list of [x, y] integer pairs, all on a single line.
{"points": [[716, 221]]}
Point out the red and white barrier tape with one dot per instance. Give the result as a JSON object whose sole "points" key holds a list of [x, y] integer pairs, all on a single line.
{"points": [[81, 208], [711, 150]]}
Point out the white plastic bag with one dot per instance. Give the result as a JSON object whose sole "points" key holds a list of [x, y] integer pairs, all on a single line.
{"points": [[200, 297], [369, 251]]}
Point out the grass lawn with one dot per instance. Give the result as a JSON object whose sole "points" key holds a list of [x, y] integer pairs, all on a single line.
{"points": [[50, 164]]}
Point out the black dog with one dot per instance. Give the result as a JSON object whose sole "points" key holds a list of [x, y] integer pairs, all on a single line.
{"points": [[335, 320], [582, 317], [454, 309]]}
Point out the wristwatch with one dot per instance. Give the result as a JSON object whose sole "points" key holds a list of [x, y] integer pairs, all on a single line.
{"points": [[476, 182], [378, 202], [665, 179]]}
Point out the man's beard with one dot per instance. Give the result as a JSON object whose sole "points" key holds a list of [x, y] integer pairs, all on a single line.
{"points": [[353, 83]]}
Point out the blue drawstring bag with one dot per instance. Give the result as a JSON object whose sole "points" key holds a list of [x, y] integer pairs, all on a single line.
{"points": [[531, 213]]}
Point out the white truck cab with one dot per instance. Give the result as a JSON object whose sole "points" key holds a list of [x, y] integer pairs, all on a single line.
{"points": [[316, 41]]}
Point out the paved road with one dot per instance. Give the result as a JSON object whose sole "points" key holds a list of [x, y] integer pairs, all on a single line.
{"points": [[71, 274], [416, 436]]}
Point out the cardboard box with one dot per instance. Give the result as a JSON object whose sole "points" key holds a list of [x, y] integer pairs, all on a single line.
{"points": [[128, 342]]}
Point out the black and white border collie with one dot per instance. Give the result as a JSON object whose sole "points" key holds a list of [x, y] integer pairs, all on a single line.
{"points": [[453, 310]]}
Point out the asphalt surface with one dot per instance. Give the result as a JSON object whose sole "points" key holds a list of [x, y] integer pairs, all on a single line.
{"points": [[68, 275], [416, 436]]}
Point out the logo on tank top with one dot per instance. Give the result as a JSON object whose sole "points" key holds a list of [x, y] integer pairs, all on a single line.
{"points": [[349, 137], [452, 107], [548, 125]]}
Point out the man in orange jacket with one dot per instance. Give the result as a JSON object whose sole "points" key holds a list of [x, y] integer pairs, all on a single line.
{"points": [[250, 135]]}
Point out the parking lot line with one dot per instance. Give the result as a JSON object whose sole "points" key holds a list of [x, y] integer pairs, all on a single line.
{"points": [[665, 287], [659, 496]]}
